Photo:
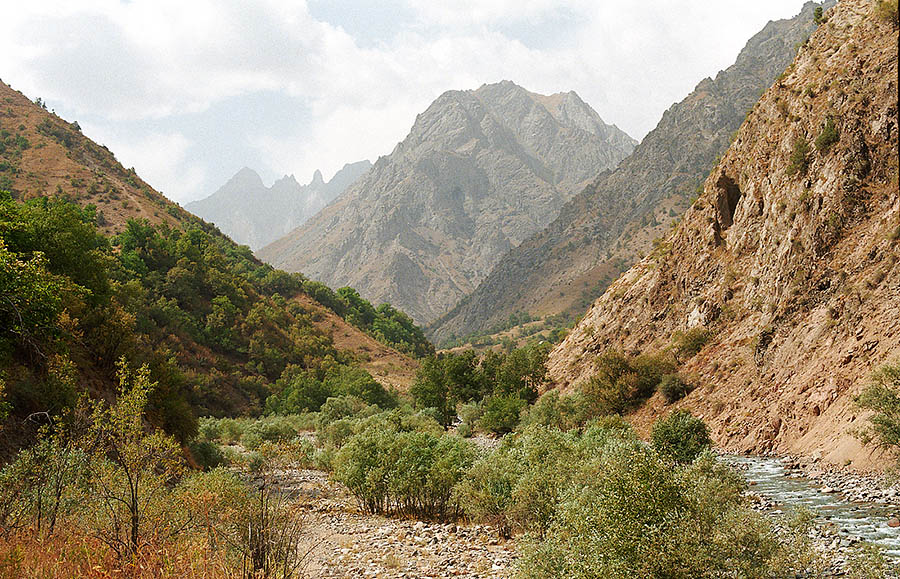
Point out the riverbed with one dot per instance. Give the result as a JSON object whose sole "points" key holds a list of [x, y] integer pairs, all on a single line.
{"points": [[850, 521]]}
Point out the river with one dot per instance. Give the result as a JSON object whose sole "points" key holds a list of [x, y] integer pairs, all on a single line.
{"points": [[863, 520]]}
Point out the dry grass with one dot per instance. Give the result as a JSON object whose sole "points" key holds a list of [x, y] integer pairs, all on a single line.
{"points": [[72, 554]]}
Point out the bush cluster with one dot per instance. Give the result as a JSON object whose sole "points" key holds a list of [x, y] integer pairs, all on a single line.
{"points": [[621, 383], [506, 382], [799, 160], [101, 492], [407, 473], [680, 437], [828, 137], [302, 390], [882, 397]]}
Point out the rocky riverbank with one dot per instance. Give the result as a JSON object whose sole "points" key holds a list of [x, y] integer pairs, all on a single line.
{"points": [[342, 541], [850, 507]]}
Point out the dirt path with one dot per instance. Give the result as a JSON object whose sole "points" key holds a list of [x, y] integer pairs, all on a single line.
{"points": [[347, 543]]}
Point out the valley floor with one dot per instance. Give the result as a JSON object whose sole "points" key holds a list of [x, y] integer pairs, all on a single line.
{"points": [[342, 541]]}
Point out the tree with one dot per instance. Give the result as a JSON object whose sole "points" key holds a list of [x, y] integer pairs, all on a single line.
{"points": [[680, 436], [133, 467], [30, 301], [430, 390], [882, 395]]}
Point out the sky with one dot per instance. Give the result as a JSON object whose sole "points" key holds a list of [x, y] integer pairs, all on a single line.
{"points": [[190, 91]]}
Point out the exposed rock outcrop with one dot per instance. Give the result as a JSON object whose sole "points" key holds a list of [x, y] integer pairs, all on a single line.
{"points": [[790, 257], [479, 172]]}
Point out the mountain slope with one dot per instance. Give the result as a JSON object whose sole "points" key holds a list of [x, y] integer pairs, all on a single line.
{"points": [[252, 214], [216, 326], [479, 172], [606, 227], [42, 154], [790, 257]]}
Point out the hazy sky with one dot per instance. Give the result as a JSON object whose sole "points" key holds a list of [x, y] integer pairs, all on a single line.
{"points": [[190, 91]]}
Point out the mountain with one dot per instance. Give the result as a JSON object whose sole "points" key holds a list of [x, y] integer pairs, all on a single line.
{"points": [[95, 266], [42, 154], [252, 214], [478, 173], [789, 261], [612, 222]]}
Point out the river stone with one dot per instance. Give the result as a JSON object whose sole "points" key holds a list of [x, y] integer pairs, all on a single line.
{"points": [[894, 523]]}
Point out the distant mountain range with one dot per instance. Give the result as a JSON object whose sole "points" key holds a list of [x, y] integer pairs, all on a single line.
{"points": [[479, 172], [613, 222], [252, 214]]}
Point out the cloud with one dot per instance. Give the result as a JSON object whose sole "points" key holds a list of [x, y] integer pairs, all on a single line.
{"points": [[162, 159], [153, 77]]}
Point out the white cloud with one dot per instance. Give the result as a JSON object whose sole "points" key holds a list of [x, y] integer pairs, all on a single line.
{"points": [[161, 159], [147, 75]]}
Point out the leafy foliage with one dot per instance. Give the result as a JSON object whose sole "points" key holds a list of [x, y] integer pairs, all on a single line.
{"points": [[301, 390], [404, 472], [673, 388], [385, 323], [828, 137], [680, 436], [501, 413], [688, 343], [882, 396], [621, 383], [445, 381], [214, 326], [799, 160]]}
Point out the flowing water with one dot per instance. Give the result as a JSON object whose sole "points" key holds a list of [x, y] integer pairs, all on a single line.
{"points": [[866, 521]]}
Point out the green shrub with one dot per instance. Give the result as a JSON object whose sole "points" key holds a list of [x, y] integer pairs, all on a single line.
{"points": [[605, 430], [799, 160], [828, 137], [209, 429], [519, 486], [231, 430], [688, 344], [298, 392], [882, 396], [411, 473], [335, 433], [887, 10], [470, 415], [501, 413], [621, 383], [629, 514], [207, 454], [680, 436], [673, 388], [338, 407], [556, 411]]}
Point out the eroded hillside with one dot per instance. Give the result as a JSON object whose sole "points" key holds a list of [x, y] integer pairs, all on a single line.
{"points": [[789, 257]]}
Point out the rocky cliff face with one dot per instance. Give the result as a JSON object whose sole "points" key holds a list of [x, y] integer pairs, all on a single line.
{"points": [[790, 257], [606, 227], [252, 214], [479, 172]]}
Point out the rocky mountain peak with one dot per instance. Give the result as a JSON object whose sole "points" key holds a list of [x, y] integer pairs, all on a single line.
{"points": [[479, 171], [237, 210], [611, 222], [246, 177]]}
